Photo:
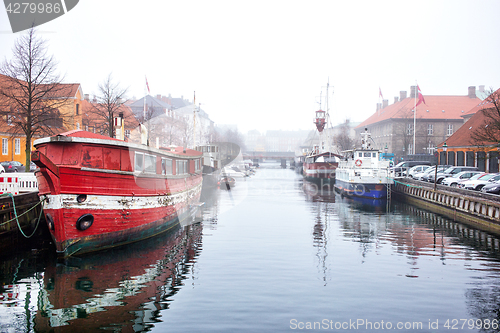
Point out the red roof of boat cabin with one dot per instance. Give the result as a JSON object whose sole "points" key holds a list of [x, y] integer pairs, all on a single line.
{"points": [[180, 151], [86, 134]]}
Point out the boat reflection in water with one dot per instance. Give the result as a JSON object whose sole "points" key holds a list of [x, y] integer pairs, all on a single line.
{"points": [[367, 204], [315, 192], [122, 289]]}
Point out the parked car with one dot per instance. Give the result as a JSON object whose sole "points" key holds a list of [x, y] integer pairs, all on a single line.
{"points": [[455, 179], [2, 170], [450, 172], [493, 188], [424, 175], [477, 184], [401, 168], [13, 166], [32, 166], [417, 169], [475, 177]]}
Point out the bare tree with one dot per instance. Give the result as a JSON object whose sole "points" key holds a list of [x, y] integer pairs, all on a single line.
{"points": [[343, 140], [111, 97], [31, 92], [235, 137], [489, 132], [403, 129]]}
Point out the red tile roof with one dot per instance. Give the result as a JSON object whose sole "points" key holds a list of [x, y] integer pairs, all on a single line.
{"points": [[66, 90], [454, 108], [462, 137], [92, 118]]}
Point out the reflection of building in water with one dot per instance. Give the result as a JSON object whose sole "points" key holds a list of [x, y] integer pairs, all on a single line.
{"points": [[412, 232], [121, 289]]}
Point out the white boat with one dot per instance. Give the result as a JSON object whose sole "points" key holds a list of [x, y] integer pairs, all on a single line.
{"points": [[363, 173], [233, 171]]}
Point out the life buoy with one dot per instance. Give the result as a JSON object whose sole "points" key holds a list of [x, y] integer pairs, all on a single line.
{"points": [[358, 163]]}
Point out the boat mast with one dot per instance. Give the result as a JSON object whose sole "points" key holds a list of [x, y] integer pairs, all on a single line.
{"points": [[327, 118]]}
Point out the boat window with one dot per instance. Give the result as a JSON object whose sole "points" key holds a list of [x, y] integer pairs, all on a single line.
{"points": [[149, 163], [360, 154], [166, 166], [181, 167], [139, 162]]}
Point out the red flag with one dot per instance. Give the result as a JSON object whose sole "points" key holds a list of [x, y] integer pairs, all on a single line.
{"points": [[380, 93], [147, 85], [420, 96]]}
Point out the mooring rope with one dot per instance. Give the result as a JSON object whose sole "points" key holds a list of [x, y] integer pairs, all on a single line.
{"points": [[409, 185], [26, 212]]}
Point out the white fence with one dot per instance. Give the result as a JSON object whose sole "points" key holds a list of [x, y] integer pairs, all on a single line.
{"points": [[19, 182]]}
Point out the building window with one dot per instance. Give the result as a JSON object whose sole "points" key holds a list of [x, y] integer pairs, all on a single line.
{"points": [[430, 129], [17, 144], [449, 130], [5, 146], [410, 129], [127, 133], [77, 109]]}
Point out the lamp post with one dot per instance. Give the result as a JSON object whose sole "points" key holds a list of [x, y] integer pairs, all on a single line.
{"points": [[445, 148]]}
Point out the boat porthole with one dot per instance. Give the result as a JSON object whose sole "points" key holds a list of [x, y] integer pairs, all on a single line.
{"points": [[84, 222], [50, 221], [81, 198]]}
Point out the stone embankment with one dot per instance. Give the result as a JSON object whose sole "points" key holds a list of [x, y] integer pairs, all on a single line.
{"points": [[473, 208]]}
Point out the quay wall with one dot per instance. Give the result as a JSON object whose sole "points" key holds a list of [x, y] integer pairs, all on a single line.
{"points": [[476, 209], [28, 209]]}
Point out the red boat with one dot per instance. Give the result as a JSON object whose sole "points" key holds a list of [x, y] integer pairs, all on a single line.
{"points": [[101, 192], [320, 164]]}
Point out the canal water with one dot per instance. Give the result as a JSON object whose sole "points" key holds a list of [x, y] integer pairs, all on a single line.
{"points": [[273, 254]]}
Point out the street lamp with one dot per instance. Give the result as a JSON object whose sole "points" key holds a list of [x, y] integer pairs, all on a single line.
{"points": [[445, 148]]}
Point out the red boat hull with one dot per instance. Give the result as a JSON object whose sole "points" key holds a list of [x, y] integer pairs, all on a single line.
{"points": [[92, 205]]}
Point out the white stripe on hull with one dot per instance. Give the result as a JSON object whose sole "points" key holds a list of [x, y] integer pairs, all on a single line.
{"points": [[110, 202]]}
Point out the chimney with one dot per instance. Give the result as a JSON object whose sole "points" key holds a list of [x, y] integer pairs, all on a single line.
{"points": [[402, 95], [481, 88], [379, 106], [86, 97], [413, 93], [396, 99], [385, 103], [158, 97], [472, 92]]}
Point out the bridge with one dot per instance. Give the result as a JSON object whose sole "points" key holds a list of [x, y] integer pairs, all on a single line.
{"points": [[269, 155]]}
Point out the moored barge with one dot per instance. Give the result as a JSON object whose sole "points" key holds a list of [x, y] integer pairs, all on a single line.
{"points": [[99, 192]]}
